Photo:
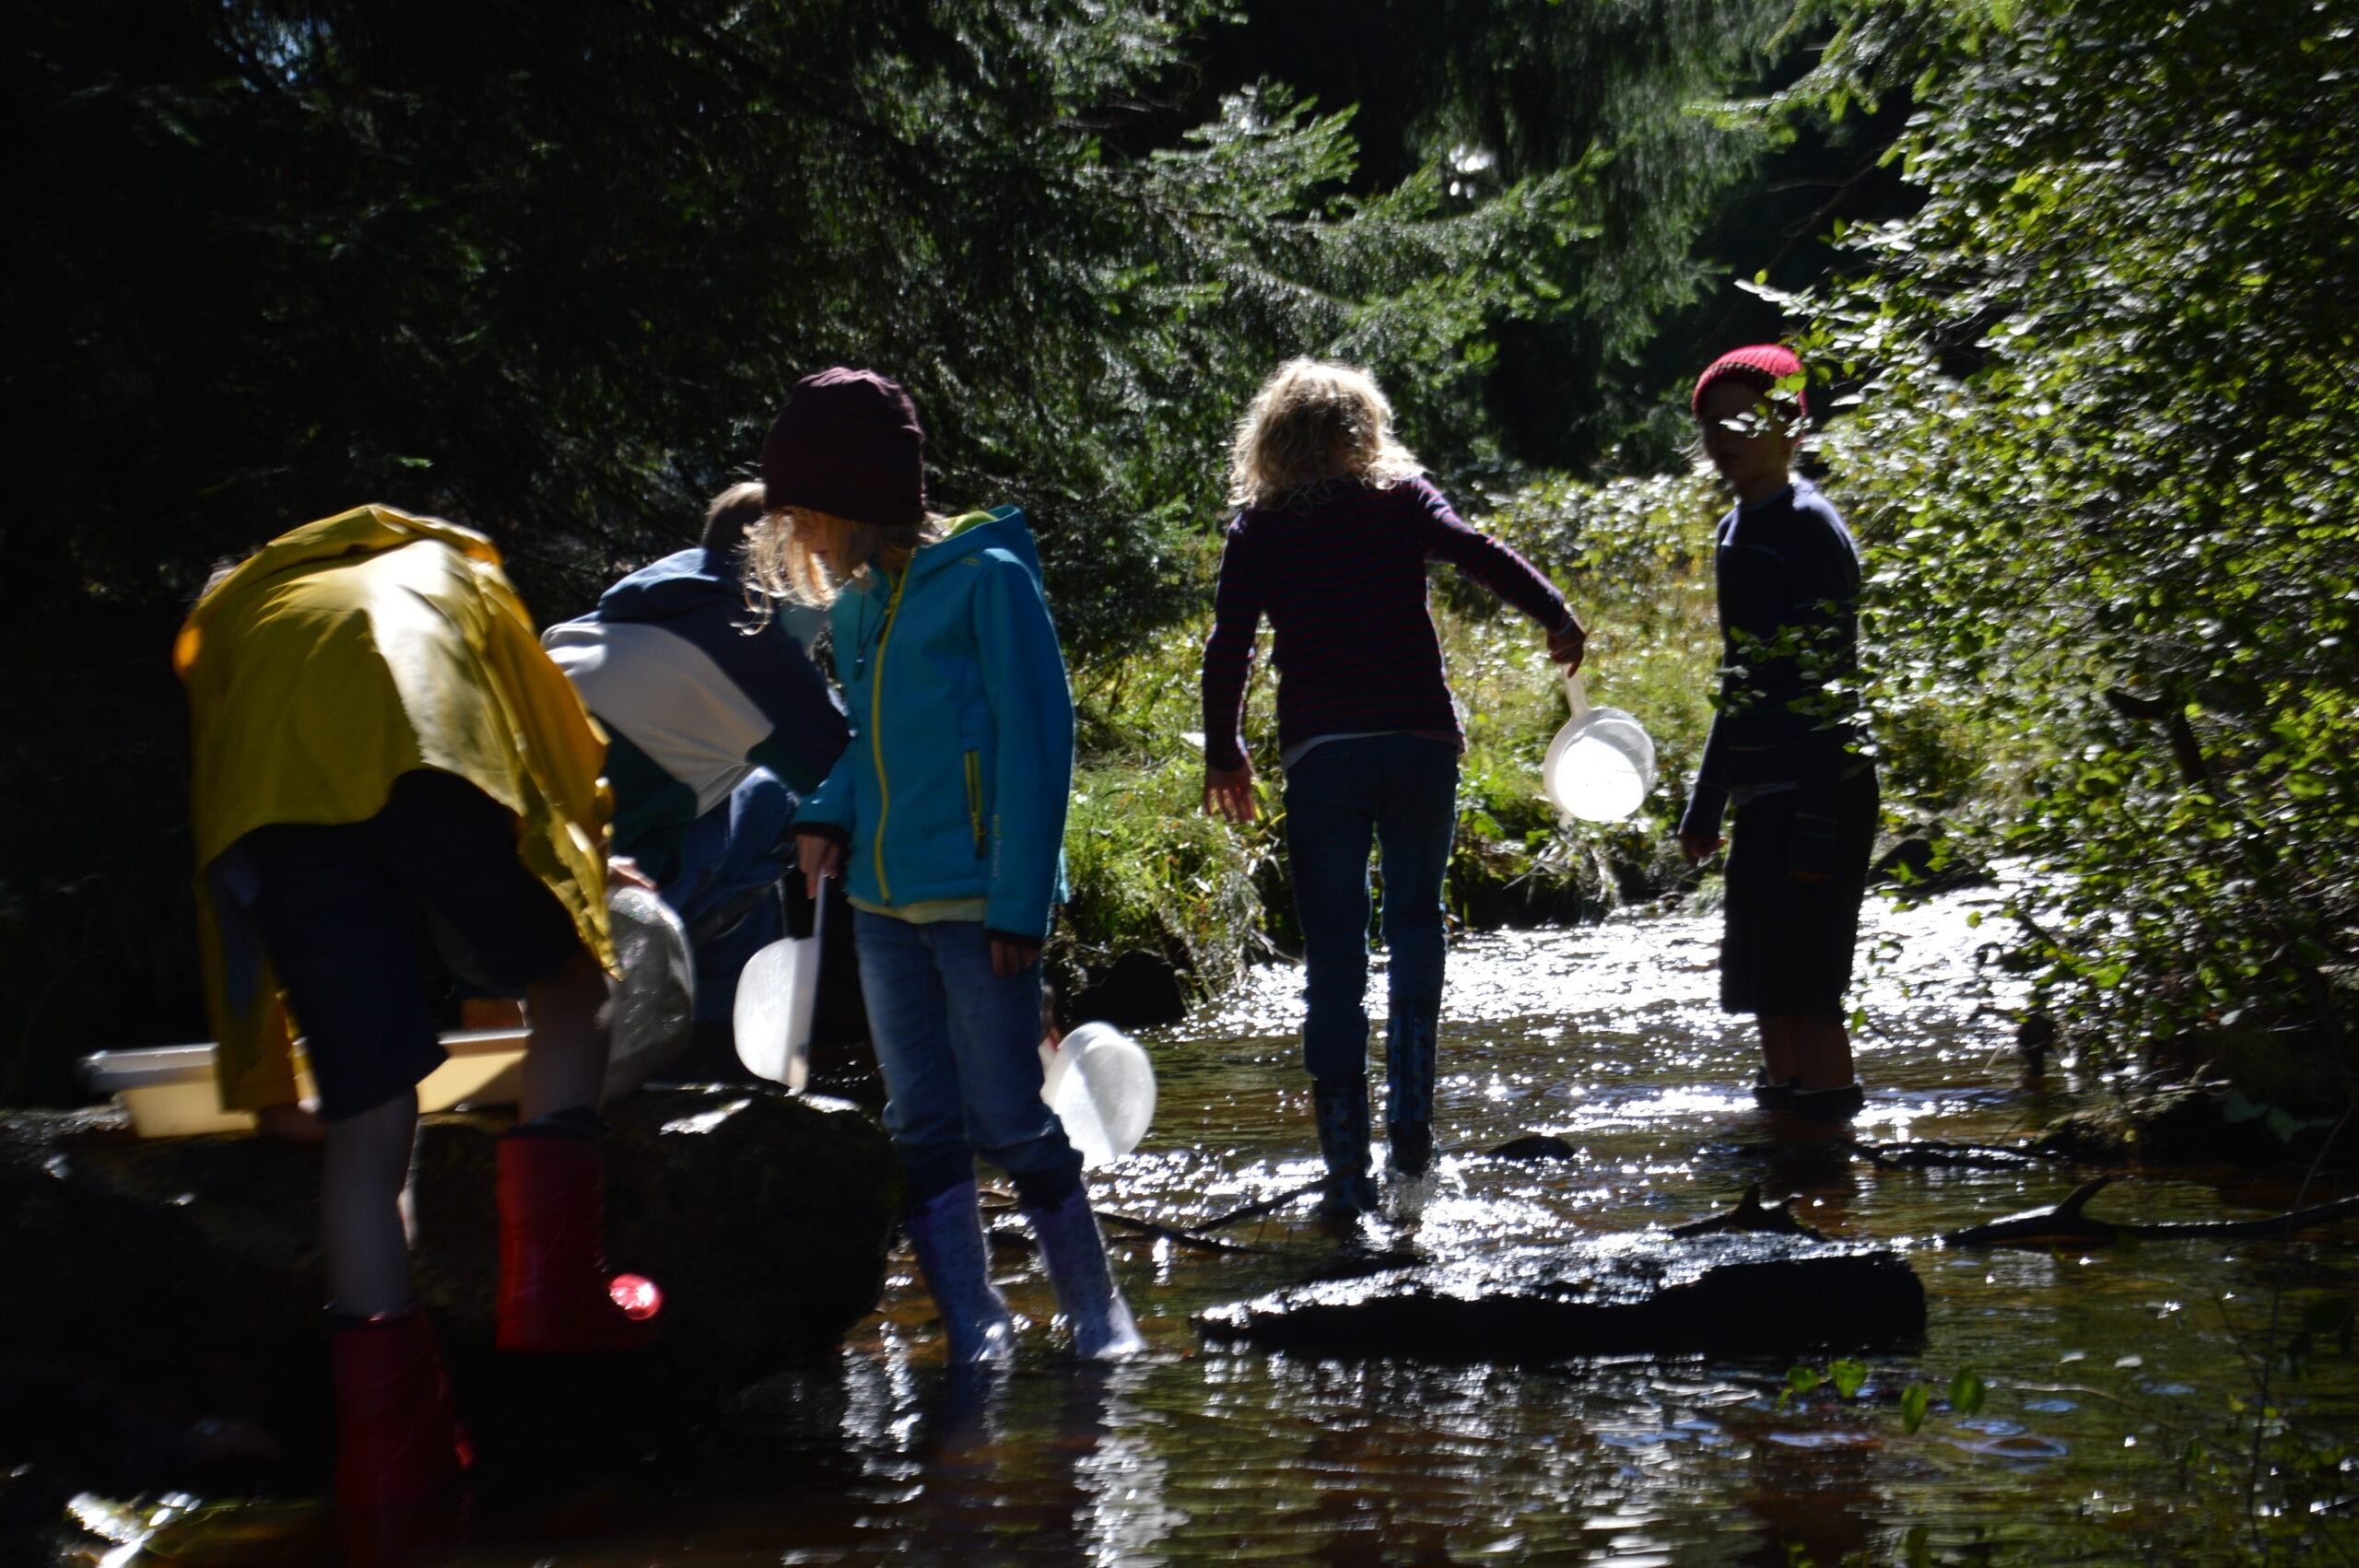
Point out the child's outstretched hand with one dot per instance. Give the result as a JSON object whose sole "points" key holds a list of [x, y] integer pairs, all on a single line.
{"points": [[1565, 646], [1700, 847], [1228, 792]]}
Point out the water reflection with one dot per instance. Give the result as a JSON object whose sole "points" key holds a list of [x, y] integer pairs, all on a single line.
{"points": [[1604, 1039]]}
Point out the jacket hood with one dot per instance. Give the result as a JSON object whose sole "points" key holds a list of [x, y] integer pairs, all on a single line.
{"points": [[363, 531], [1002, 528], [679, 584]]}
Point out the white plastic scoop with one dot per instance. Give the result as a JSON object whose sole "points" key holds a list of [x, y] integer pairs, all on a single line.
{"points": [[1602, 763], [778, 992], [1101, 1085]]}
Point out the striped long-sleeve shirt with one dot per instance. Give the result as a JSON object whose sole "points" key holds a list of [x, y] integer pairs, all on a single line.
{"points": [[1341, 573]]}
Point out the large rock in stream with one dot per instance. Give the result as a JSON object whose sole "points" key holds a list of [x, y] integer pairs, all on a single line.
{"points": [[161, 1309], [1640, 1292]]}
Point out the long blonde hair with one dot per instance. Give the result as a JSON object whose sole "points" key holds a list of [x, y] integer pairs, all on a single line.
{"points": [[1314, 420], [781, 564]]}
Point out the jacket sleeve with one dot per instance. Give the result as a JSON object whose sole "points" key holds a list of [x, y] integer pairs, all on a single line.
{"points": [[807, 730], [1024, 681], [1445, 537], [1228, 655], [826, 810]]}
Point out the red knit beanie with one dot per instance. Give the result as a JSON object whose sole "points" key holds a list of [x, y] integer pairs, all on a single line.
{"points": [[848, 443], [1760, 366]]}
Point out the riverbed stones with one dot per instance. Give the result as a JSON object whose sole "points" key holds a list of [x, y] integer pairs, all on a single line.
{"points": [[1637, 1292], [185, 1272]]}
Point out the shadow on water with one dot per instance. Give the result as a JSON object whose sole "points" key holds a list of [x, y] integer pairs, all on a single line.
{"points": [[2105, 1434]]}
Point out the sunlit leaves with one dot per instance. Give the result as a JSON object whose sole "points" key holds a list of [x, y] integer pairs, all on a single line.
{"points": [[2101, 440]]}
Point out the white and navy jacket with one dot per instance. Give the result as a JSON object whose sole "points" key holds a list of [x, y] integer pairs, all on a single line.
{"points": [[695, 691]]}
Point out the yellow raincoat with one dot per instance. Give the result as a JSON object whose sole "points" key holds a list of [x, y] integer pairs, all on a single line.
{"points": [[344, 654]]}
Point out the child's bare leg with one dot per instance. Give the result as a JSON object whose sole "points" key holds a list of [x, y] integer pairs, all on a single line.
{"points": [[1822, 1050], [364, 1168], [1777, 1063], [565, 1068]]}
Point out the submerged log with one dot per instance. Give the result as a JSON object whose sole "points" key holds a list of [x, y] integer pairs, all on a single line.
{"points": [[1648, 1291], [185, 1274], [1750, 1216], [2065, 1223]]}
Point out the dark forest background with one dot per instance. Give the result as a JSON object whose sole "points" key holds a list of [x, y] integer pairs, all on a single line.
{"points": [[548, 269]]}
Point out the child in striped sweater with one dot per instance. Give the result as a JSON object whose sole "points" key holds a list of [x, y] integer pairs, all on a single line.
{"points": [[1335, 527]]}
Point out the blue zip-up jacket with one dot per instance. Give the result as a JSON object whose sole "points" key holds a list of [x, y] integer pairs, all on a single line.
{"points": [[961, 758], [694, 694]]}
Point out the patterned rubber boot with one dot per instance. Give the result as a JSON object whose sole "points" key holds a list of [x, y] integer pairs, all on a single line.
{"points": [[1409, 1050], [1341, 1104], [1075, 1253], [948, 1232], [398, 1442], [557, 1294]]}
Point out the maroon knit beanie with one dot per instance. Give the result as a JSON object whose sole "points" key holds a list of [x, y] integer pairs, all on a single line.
{"points": [[848, 443], [1760, 366]]}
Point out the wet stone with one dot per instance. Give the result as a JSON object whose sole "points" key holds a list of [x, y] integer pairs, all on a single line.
{"points": [[1637, 1292], [177, 1281]]}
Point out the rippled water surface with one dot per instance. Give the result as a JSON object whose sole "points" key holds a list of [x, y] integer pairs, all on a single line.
{"points": [[2103, 1367]]}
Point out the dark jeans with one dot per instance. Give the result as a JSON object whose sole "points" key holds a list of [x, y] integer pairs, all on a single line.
{"points": [[1398, 793]]}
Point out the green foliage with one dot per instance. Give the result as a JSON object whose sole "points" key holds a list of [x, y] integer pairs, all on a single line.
{"points": [[1914, 1400], [548, 270], [2101, 436], [1966, 1392]]}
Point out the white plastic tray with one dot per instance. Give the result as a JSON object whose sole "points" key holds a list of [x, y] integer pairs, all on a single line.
{"points": [[170, 1091]]}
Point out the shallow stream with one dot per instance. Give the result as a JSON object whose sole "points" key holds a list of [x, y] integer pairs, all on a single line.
{"points": [[2122, 1384]]}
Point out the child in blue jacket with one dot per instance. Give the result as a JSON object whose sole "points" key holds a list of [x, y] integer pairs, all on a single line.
{"points": [[946, 816]]}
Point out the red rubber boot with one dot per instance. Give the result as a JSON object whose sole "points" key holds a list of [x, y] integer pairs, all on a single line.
{"points": [[398, 1442], [555, 1293]]}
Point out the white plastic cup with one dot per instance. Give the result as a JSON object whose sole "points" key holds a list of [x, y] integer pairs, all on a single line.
{"points": [[1101, 1085]]}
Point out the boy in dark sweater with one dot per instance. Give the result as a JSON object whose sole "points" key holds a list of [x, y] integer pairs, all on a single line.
{"points": [[1784, 746], [1331, 543]]}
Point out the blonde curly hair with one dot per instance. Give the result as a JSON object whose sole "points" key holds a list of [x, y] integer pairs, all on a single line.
{"points": [[1314, 420]]}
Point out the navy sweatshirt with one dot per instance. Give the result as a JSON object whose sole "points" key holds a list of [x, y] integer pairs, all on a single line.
{"points": [[1341, 573], [1787, 573]]}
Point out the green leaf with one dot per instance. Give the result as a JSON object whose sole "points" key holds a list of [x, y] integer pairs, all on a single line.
{"points": [[1913, 1403], [1847, 1375], [1966, 1393]]}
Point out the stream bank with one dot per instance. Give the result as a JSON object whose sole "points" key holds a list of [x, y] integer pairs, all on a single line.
{"points": [[2096, 1404]]}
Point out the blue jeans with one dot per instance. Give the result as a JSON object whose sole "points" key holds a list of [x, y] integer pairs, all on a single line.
{"points": [[1399, 792], [726, 890], [960, 1050]]}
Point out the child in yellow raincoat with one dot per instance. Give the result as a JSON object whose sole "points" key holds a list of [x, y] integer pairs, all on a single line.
{"points": [[384, 757]]}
